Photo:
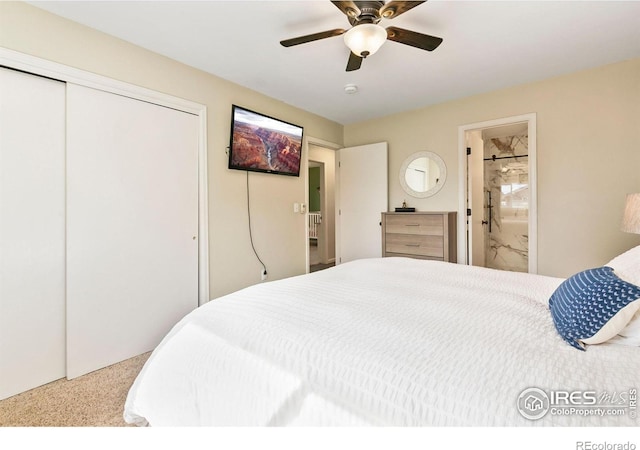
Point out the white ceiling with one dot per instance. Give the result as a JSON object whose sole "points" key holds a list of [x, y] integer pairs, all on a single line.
{"points": [[487, 45]]}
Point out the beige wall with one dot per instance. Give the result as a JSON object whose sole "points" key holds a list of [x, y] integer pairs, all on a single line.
{"points": [[279, 234], [588, 156]]}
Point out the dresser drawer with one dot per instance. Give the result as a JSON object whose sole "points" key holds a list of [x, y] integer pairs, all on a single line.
{"points": [[415, 224], [414, 244], [424, 235]]}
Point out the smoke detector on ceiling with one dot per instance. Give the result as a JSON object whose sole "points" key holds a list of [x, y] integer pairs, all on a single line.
{"points": [[350, 89]]}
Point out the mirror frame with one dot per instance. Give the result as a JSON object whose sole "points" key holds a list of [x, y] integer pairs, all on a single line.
{"points": [[434, 190]]}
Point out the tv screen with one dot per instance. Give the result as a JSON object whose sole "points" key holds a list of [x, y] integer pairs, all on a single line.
{"points": [[263, 144]]}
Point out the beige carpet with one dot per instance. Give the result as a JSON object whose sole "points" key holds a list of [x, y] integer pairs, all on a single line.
{"points": [[92, 400]]}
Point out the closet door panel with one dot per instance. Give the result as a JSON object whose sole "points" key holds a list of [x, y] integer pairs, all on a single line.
{"points": [[32, 233], [132, 224]]}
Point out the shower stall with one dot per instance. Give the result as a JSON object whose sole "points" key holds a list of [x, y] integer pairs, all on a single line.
{"points": [[506, 203]]}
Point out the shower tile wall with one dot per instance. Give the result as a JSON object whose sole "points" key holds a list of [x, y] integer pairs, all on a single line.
{"points": [[507, 181]]}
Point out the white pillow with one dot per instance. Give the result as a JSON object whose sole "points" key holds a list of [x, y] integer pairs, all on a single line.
{"points": [[627, 265], [630, 335]]}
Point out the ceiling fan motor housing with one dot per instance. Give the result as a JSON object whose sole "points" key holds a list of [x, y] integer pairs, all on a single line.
{"points": [[369, 13]]}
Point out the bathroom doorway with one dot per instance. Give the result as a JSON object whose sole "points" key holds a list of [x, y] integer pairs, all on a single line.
{"points": [[499, 203]]}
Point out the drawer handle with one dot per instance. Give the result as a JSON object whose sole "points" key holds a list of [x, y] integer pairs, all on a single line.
{"points": [[411, 224], [412, 245]]}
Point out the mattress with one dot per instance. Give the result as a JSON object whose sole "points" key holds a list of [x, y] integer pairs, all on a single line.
{"points": [[380, 342]]}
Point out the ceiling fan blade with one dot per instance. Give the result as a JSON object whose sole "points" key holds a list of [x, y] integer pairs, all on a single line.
{"points": [[311, 37], [395, 8], [350, 9], [354, 62], [414, 39]]}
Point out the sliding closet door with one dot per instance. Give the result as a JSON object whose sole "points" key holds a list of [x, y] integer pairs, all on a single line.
{"points": [[132, 224], [32, 140]]}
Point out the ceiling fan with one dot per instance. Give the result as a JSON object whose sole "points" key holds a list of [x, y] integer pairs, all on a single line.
{"points": [[366, 36]]}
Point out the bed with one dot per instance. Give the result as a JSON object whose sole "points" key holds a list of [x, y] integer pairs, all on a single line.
{"points": [[380, 342]]}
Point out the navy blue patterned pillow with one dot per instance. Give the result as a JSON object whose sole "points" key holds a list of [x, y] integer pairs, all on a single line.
{"points": [[593, 306]]}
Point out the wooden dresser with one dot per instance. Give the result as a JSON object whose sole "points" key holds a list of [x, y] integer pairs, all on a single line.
{"points": [[423, 235]]}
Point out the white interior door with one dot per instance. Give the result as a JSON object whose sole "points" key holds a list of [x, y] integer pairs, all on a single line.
{"points": [[362, 190], [132, 224], [32, 231], [476, 199]]}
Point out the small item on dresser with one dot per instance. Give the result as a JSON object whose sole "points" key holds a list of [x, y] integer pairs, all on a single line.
{"points": [[405, 208]]}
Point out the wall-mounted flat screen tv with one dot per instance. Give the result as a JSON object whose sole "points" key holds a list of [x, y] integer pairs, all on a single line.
{"points": [[261, 143]]}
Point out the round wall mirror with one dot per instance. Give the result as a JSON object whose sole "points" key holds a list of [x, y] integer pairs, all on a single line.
{"points": [[423, 174]]}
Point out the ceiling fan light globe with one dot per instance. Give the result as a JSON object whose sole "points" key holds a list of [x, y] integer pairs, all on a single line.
{"points": [[365, 39]]}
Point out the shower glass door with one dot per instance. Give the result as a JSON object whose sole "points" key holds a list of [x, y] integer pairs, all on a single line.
{"points": [[506, 203]]}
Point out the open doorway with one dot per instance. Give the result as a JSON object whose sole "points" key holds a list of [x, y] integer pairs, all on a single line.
{"points": [[498, 194], [316, 172], [321, 207]]}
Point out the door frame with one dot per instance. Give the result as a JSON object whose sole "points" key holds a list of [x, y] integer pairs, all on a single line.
{"points": [[38, 66], [465, 238], [305, 170]]}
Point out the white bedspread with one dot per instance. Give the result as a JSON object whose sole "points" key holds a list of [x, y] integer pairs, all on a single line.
{"points": [[390, 341]]}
